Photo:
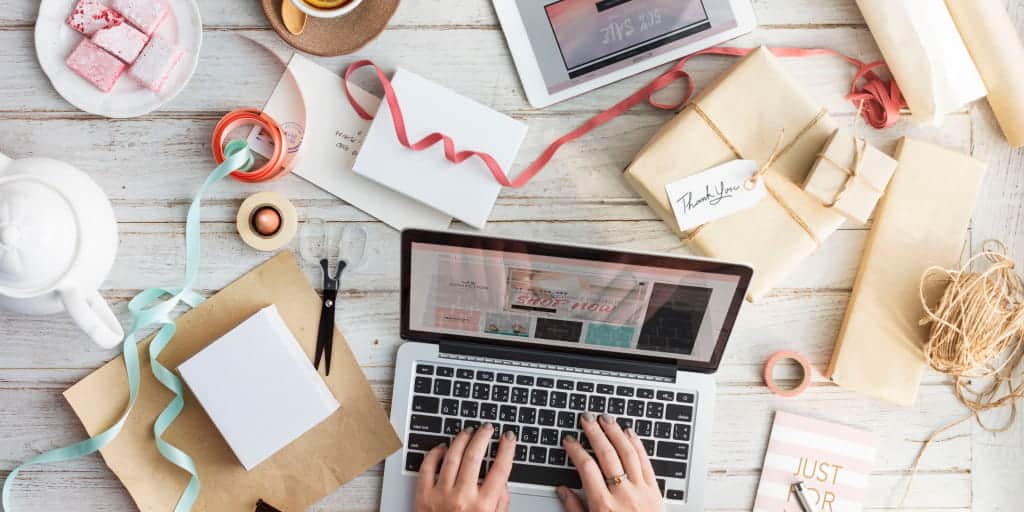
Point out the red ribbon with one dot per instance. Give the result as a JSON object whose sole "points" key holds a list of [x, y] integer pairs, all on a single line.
{"points": [[880, 102]]}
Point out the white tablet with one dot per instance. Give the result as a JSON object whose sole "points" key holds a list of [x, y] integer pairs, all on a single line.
{"points": [[563, 48]]}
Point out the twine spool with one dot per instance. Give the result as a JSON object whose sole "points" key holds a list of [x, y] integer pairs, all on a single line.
{"points": [[976, 336]]}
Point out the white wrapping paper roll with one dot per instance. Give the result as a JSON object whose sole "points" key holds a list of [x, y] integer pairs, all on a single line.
{"points": [[926, 55], [999, 55]]}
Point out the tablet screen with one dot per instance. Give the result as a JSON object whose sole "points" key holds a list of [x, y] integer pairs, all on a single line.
{"points": [[579, 40]]}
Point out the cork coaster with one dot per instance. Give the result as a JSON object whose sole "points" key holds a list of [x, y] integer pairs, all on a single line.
{"points": [[328, 37]]}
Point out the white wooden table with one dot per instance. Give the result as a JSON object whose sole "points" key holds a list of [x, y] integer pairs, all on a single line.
{"points": [[150, 167]]}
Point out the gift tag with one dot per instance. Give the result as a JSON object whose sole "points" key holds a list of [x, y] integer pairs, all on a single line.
{"points": [[715, 193]]}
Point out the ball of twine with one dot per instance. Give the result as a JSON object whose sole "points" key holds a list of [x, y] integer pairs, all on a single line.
{"points": [[976, 332], [976, 336]]}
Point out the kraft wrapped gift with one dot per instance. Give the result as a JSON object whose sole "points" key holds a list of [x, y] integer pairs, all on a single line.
{"points": [[921, 222], [850, 176], [742, 116]]}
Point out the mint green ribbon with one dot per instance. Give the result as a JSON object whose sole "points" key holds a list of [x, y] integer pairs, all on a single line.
{"points": [[149, 309]]}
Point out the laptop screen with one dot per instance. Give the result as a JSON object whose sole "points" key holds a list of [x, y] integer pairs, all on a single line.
{"points": [[554, 295]]}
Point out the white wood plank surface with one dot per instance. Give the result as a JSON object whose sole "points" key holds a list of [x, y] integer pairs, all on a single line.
{"points": [[150, 167]]}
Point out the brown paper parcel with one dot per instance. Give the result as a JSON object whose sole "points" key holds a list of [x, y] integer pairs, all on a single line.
{"points": [[742, 116], [849, 182], [921, 222], [354, 438]]}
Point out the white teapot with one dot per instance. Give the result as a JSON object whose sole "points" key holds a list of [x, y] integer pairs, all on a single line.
{"points": [[58, 239]]}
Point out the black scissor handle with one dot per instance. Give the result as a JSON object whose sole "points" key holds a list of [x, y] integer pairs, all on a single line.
{"points": [[331, 282]]}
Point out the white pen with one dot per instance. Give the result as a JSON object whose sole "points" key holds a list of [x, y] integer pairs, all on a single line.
{"points": [[801, 497]]}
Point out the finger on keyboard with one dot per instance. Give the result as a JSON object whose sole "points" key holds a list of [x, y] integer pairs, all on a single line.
{"points": [[473, 457], [589, 472], [453, 459], [428, 469], [498, 476]]}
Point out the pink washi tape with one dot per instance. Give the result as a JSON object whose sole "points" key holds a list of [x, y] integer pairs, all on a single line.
{"points": [[769, 370]]}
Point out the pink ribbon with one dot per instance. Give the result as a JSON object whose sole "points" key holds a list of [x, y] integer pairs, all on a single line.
{"points": [[879, 100]]}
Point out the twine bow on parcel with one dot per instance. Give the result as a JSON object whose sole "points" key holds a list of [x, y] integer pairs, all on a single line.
{"points": [[777, 152]]}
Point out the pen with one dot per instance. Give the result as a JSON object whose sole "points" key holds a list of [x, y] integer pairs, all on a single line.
{"points": [[801, 498]]}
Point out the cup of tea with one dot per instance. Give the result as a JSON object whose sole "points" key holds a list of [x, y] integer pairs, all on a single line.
{"points": [[326, 8]]}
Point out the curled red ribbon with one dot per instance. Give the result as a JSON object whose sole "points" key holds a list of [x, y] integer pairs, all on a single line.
{"points": [[880, 102], [276, 163]]}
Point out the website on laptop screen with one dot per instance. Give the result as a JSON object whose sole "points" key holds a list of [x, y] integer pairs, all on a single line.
{"points": [[613, 307]]}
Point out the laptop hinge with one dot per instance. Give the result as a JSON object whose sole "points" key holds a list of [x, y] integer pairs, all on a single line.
{"points": [[585, 364]]}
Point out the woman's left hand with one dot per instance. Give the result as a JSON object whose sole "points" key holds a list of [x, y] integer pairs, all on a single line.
{"points": [[455, 487]]}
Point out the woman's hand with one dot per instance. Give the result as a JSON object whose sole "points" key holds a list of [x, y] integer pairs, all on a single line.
{"points": [[455, 488], [621, 479]]}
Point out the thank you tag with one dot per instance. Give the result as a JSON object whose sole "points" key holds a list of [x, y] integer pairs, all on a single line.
{"points": [[715, 193]]}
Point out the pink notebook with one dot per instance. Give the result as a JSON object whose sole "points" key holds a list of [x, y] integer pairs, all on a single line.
{"points": [[834, 462]]}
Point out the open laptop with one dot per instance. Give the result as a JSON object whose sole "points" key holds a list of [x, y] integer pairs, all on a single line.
{"points": [[529, 335]]}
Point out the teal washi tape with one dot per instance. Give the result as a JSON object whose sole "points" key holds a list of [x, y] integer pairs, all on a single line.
{"points": [[148, 310]]}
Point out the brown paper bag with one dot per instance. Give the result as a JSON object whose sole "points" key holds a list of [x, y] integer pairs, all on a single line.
{"points": [[354, 438], [850, 183], [921, 222], [742, 116]]}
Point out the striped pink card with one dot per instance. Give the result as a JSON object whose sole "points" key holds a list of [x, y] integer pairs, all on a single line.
{"points": [[834, 462]]}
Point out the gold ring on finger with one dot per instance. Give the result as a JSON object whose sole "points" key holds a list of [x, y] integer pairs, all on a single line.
{"points": [[617, 479]]}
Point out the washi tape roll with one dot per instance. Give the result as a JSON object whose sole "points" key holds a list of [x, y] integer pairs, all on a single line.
{"points": [[267, 221], [769, 371]]}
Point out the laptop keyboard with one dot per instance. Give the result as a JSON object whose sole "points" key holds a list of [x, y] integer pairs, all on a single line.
{"points": [[542, 410]]}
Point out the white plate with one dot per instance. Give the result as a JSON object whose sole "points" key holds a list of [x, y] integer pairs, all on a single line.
{"points": [[55, 40]]}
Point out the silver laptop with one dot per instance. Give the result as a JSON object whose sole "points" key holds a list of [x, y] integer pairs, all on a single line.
{"points": [[529, 335]]}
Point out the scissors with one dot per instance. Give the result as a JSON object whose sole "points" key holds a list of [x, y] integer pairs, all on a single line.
{"points": [[320, 243], [325, 334]]}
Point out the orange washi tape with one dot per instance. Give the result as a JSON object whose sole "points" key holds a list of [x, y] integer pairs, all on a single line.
{"points": [[769, 370], [276, 164]]}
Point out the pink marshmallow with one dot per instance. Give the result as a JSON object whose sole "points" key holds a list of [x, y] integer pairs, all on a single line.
{"points": [[146, 15], [156, 63], [123, 40], [95, 65], [88, 16]]}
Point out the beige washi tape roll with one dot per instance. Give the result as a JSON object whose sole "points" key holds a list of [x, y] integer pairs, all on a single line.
{"points": [[267, 221]]}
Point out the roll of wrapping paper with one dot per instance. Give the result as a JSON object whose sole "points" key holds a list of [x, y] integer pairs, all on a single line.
{"points": [[926, 55], [998, 53]]}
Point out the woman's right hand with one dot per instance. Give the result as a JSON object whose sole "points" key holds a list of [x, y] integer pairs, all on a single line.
{"points": [[621, 479]]}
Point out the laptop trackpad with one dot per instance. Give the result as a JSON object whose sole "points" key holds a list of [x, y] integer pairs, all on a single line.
{"points": [[534, 500]]}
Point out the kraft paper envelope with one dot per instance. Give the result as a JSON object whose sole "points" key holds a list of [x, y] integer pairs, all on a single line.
{"points": [[921, 221], [354, 438], [742, 116]]}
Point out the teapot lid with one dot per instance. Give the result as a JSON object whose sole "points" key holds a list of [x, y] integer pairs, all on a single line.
{"points": [[38, 236]]}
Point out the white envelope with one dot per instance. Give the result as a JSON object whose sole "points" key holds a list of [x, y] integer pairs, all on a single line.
{"points": [[466, 191], [332, 134]]}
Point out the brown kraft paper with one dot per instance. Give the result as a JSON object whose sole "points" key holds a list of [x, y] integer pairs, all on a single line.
{"points": [[921, 221], [357, 436], [742, 116], [998, 53]]}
